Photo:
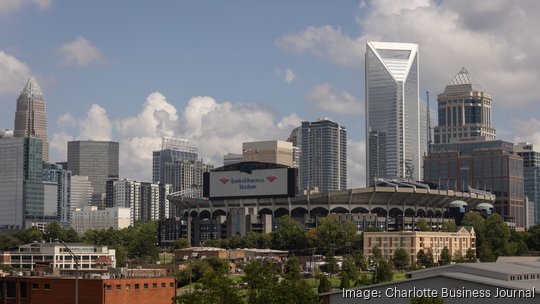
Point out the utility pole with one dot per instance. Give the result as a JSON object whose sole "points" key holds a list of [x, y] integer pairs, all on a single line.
{"points": [[76, 270]]}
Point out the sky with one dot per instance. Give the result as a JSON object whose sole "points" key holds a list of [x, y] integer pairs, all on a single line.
{"points": [[220, 73]]}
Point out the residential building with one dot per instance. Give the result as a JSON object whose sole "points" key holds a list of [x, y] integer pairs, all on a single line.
{"points": [[57, 256], [166, 209], [57, 175], [30, 116], [271, 151], [186, 176], [149, 207], [464, 111], [414, 241], [531, 176], [125, 193], [172, 149], [90, 217], [395, 136], [96, 159], [481, 165], [96, 289], [323, 159]]}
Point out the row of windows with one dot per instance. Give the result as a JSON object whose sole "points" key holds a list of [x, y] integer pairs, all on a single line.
{"points": [[137, 286]]}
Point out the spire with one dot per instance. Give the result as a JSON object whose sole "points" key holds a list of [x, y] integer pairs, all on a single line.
{"points": [[32, 88], [463, 81]]}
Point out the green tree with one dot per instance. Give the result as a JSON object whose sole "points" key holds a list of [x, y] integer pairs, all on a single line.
{"points": [[261, 278], [422, 225], [181, 243], [7, 242], [470, 256], [533, 241], [401, 259], [457, 257], [53, 231], [26, 236], [143, 243], [449, 226], [219, 266], [485, 253], [376, 253], [345, 280], [445, 257], [359, 260], [497, 234], [213, 289], [330, 265], [292, 268], [383, 272], [334, 235], [289, 235], [324, 284], [476, 220], [297, 292], [425, 258], [348, 266]]}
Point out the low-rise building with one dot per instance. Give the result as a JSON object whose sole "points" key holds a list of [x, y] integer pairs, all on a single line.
{"points": [[56, 255], [414, 241], [96, 290], [91, 217]]}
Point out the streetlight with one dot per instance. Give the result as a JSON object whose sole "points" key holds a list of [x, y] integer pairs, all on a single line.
{"points": [[76, 270]]}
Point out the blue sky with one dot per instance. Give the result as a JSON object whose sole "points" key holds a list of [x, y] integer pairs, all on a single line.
{"points": [[223, 72]]}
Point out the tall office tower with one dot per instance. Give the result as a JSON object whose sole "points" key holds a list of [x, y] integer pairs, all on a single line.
{"points": [[531, 174], [30, 117], [490, 166], [323, 162], [60, 177], [166, 209], [172, 149], [464, 111], [395, 143], [149, 208], [271, 151], [21, 182], [81, 193], [186, 176], [96, 159]]}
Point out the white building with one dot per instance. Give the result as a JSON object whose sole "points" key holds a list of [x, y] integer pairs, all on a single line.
{"points": [[81, 193], [396, 140], [56, 255], [232, 158], [270, 151], [90, 217]]}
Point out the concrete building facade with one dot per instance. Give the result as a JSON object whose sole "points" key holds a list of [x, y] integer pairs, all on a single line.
{"points": [[271, 151], [91, 217]]}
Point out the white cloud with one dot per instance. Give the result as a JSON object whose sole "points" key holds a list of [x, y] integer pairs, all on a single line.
{"points": [[327, 98], [13, 73], [80, 52], [290, 76], [215, 128], [8, 6], [528, 130], [495, 40], [356, 164]]}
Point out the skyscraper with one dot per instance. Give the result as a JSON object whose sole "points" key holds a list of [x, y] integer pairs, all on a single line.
{"points": [[172, 149], [394, 134], [61, 178], [323, 161], [531, 172], [30, 117], [464, 111], [96, 159]]}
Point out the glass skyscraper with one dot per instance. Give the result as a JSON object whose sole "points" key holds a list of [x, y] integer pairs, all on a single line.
{"points": [[323, 158], [531, 171], [395, 137]]}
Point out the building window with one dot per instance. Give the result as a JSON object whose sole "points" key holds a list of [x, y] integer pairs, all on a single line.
{"points": [[118, 287], [47, 286], [128, 286], [163, 285], [145, 285], [108, 287], [35, 286], [137, 286], [171, 285], [154, 285]]}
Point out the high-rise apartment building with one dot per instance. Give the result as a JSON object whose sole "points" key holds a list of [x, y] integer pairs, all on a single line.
{"points": [[149, 207], [96, 159], [531, 172], [464, 111], [270, 151], [30, 116], [395, 135], [323, 160], [61, 178], [186, 176], [21, 181], [172, 149], [126, 194]]}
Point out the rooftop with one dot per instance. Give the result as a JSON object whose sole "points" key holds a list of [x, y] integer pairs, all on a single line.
{"points": [[463, 81]]}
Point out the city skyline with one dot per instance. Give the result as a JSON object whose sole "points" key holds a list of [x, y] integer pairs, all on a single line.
{"points": [[97, 78]]}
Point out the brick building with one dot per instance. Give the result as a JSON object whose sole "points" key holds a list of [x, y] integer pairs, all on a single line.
{"points": [[99, 290]]}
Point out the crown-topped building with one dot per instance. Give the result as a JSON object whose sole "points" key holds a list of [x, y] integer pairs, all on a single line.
{"points": [[30, 116], [464, 111]]}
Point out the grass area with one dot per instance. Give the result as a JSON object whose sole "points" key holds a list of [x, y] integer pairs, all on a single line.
{"points": [[398, 276]]}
